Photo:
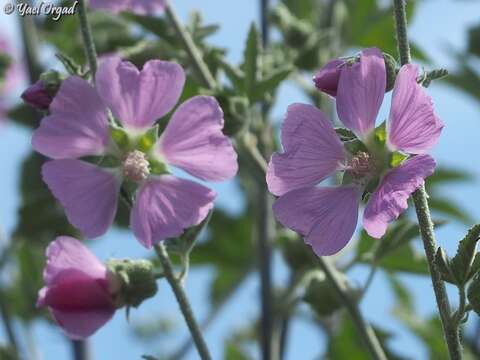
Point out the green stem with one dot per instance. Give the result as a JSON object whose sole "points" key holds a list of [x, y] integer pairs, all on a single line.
{"points": [[460, 313], [192, 50], [450, 329], [7, 323], [182, 302], [88, 43], [363, 328]]}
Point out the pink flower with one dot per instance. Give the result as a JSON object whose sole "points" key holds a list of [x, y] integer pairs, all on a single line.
{"points": [[139, 7], [77, 289], [78, 127], [38, 96], [327, 216]]}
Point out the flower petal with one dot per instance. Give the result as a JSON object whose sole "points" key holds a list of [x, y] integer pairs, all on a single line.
{"points": [[360, 91], [87, 192], [325, 216], [413, 127], [139, 98], [165, 206], [78, 123], [390, 198], [193, 141], [312, 151], [79, 325], [69, 253], [327, 78]]}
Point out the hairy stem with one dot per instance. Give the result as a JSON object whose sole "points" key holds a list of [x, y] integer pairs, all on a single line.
{"points": [[191, 48], [182, 302], [450, 328], [364, 329], [88, 43], [80, 350]]}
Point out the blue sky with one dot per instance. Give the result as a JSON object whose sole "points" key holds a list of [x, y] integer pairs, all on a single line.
{"points": [[438, 25]]}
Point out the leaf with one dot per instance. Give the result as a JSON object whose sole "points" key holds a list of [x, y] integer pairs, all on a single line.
{"points": [[473, 294], [270, 83], [25, 115], [461, 263], [449, 208], [442, 263], [402, 295], [185, 243], [251, 61]]}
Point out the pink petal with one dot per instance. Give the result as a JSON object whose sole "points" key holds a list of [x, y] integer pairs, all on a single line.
{"points": [[327, 78], [390, 198], [69, 253], [139, 7], [166, 206], [139, 98], [312, 151], [193, 141], [87, 192], [413, 127], [77, 126], [325, 216], [360, 91], [82, 324]]}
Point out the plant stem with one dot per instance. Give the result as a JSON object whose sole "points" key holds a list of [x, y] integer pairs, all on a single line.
{"points": [[192, 50], [364, 329], [420, 196], [182, 302], [88, 43], [7, 323], [80, 350]]}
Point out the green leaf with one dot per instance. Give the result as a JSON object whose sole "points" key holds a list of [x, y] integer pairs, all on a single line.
{"points": [[402, 295], [345, 134], [461, 263], [251, 61], [442, 262], [270, 83], [185, 243], [449, 208], [473, 294], [234, 74]]}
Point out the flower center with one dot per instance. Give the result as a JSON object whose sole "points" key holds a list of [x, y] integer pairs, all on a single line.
{"points": [[135, 166], [361, 165]]}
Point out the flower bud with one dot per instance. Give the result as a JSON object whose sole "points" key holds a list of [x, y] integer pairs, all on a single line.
{"points": [[133, 281], [327, 78], [77, 288], [40, 95]]}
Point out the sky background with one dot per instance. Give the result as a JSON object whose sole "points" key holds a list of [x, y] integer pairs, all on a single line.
{"points": [[438, 27]]}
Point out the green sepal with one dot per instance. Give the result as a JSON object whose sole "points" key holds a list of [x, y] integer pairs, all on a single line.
{"points": [[345, 134], [396, 158], [131, 281], [158, 167], [105, 161], [380, 134], [146, 142], [391, 67], [120, 137]]}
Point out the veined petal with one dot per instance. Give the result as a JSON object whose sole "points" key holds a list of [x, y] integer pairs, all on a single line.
{"points": [[165, 206], [325, 216], [328, 76], [390, 198], [193, 141], [139, 98], [360, 91], [412, 126], [69, 253], [312, 151], [87, 192], [77, 125], [81, 324]]}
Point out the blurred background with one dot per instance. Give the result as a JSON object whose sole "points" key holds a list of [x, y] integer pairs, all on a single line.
{"points": [[223, 283]]}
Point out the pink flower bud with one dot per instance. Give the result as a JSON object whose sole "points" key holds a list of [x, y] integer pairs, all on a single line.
{"points": [[77, 288], [38, 96], [327, 78]]}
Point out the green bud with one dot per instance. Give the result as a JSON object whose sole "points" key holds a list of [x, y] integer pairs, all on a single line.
{"points": [[297, 255], [391, 68], [132, 281], [320, 295]]}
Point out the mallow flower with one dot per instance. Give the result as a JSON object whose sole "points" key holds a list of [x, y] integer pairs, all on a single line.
{"points": [[139, 7], [93, 157], [82, 294], [375, 165]]}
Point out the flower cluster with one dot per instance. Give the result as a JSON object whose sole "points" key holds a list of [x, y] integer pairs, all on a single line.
{"points": [[327, 216]]}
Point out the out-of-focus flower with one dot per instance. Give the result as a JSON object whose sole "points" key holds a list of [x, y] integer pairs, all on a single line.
{"points": [[327, 216], [140, 7], [78, 288], [78, 127]]}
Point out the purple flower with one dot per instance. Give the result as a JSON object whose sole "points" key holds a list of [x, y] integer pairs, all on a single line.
{"points": [[327, 216], [38, 96], [139, 7], [77, 288], [193, 141], [327, 77]]}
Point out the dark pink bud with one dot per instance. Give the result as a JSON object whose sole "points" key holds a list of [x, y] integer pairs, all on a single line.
{"points": [[78, 288], [38, 96], [327, 78]]}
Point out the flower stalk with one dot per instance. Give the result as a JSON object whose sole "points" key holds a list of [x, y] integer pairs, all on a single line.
{"points": [[191, 48], [182, 302], [88, 42], [450, 327]]}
